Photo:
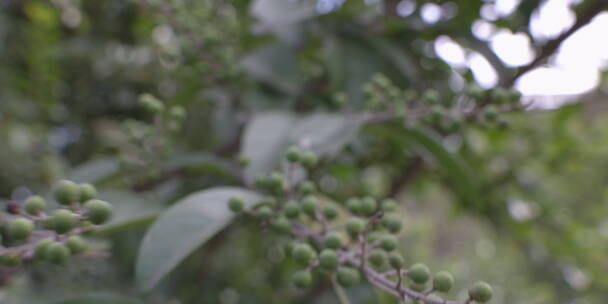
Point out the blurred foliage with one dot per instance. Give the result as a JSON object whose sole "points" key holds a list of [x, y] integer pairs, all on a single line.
{"points": [[520, 203]]}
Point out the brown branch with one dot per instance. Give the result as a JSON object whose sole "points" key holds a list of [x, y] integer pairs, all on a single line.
{"points": [[553, 45]]}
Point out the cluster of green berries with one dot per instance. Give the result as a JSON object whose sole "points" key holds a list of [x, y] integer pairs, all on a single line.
{"points": [[53, 237], [172, 116], [493, 100], [340, 238], [381, 94]]}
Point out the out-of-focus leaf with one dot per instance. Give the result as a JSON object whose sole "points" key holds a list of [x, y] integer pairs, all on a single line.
{"points": [[324, 133], [94, 170], [99, 298], [182, 229], [457, 173], [278, 13], [275, 65], [130, 209]]}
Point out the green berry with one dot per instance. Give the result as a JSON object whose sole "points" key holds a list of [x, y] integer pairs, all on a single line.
{"points": [[514, 96], [57, 253], [67, 192], [262, 183], [11, 259], [236, 204], [303, 253], [348, 276], [87, 192], [309, 159], [309, 205], [263, 213], [98, 211], [419, 273], [443, 281], [76, 244], [328, 259], [374, 236], [388, 242], [431, 97], [291, 209], [368, 206], [244, 161], [481, 292], [500, 95], [490, 113], [41, 246], [20, 229], [62, 221], [151, 103], [330, 212], [34, 205], [277, 182], [333, 240], [389, 205], [475, 92], [282, 225], [177, 112], [307, 188], [293, 154], [355, 226], [395, 260], [302, 279], [354, 205], [392, 222], [377, 258]]}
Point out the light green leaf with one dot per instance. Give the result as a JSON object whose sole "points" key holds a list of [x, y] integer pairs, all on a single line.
{"points": [[278, 13], [276, 65], [183, 228], [130, 209], [324, 133], [99, 298], [94, 170]]}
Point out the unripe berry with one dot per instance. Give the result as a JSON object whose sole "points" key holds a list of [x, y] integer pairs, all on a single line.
{"points": [[236, 204], [388, 242], [500, 95], [490, 113], [263, 213], [308, 159], [309, 205], [377, 258], [67, 192], [348, 276], [475, 92], [98, 211], [76, 244], [355, 226], [291, 209], [330, 212], [389, 205], [419, 273], [481, 292], [277, 182], [20, 229], [514, 95], [392, 222], [262, 183], [177, 112], [431, 96], [302, 279], [87, 192], [10, 259], [293, 154], [34, 205], [443, 281], [57, 253], [303, 253], [395, 260], [307, 188], [354, 205], [368, 206], [62, 221], [151, 103], [328, 260], [333, 240], [40, 250], [282, 225]]}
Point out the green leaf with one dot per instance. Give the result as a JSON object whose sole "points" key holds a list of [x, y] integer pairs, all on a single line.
{"points": [[275, 65], [99, 298], [182, 229], [94, 170], [324, 133], [457, 172], [279, 13], [130, 209]]}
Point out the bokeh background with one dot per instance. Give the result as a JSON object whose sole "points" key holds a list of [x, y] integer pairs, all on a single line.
{"points": [[71, 73]]}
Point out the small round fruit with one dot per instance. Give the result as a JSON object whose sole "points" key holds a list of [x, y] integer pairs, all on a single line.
{"points": [[377, 258], [20, 229], [309, 205], [263, 213], [236, 204], [291, 209], [57, 253], [282, 225], [307, 188], [87, 192], [293, 154], [10, 259], [374, 236], [309, 159], [177, 112], [328, 260], [277, 182], [40, 250], [443, 281], [395, 260], [389, 205], [302, 279], [67, 192], [348, 276], [34, 205], [368, 206], [419, 273], [303, 253], [354, 205], [98, 211], [388, 242], [355, 226], [392, 222], [76, 244], [333, 240], [330, 212], [62, 221], [481, 292]]}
